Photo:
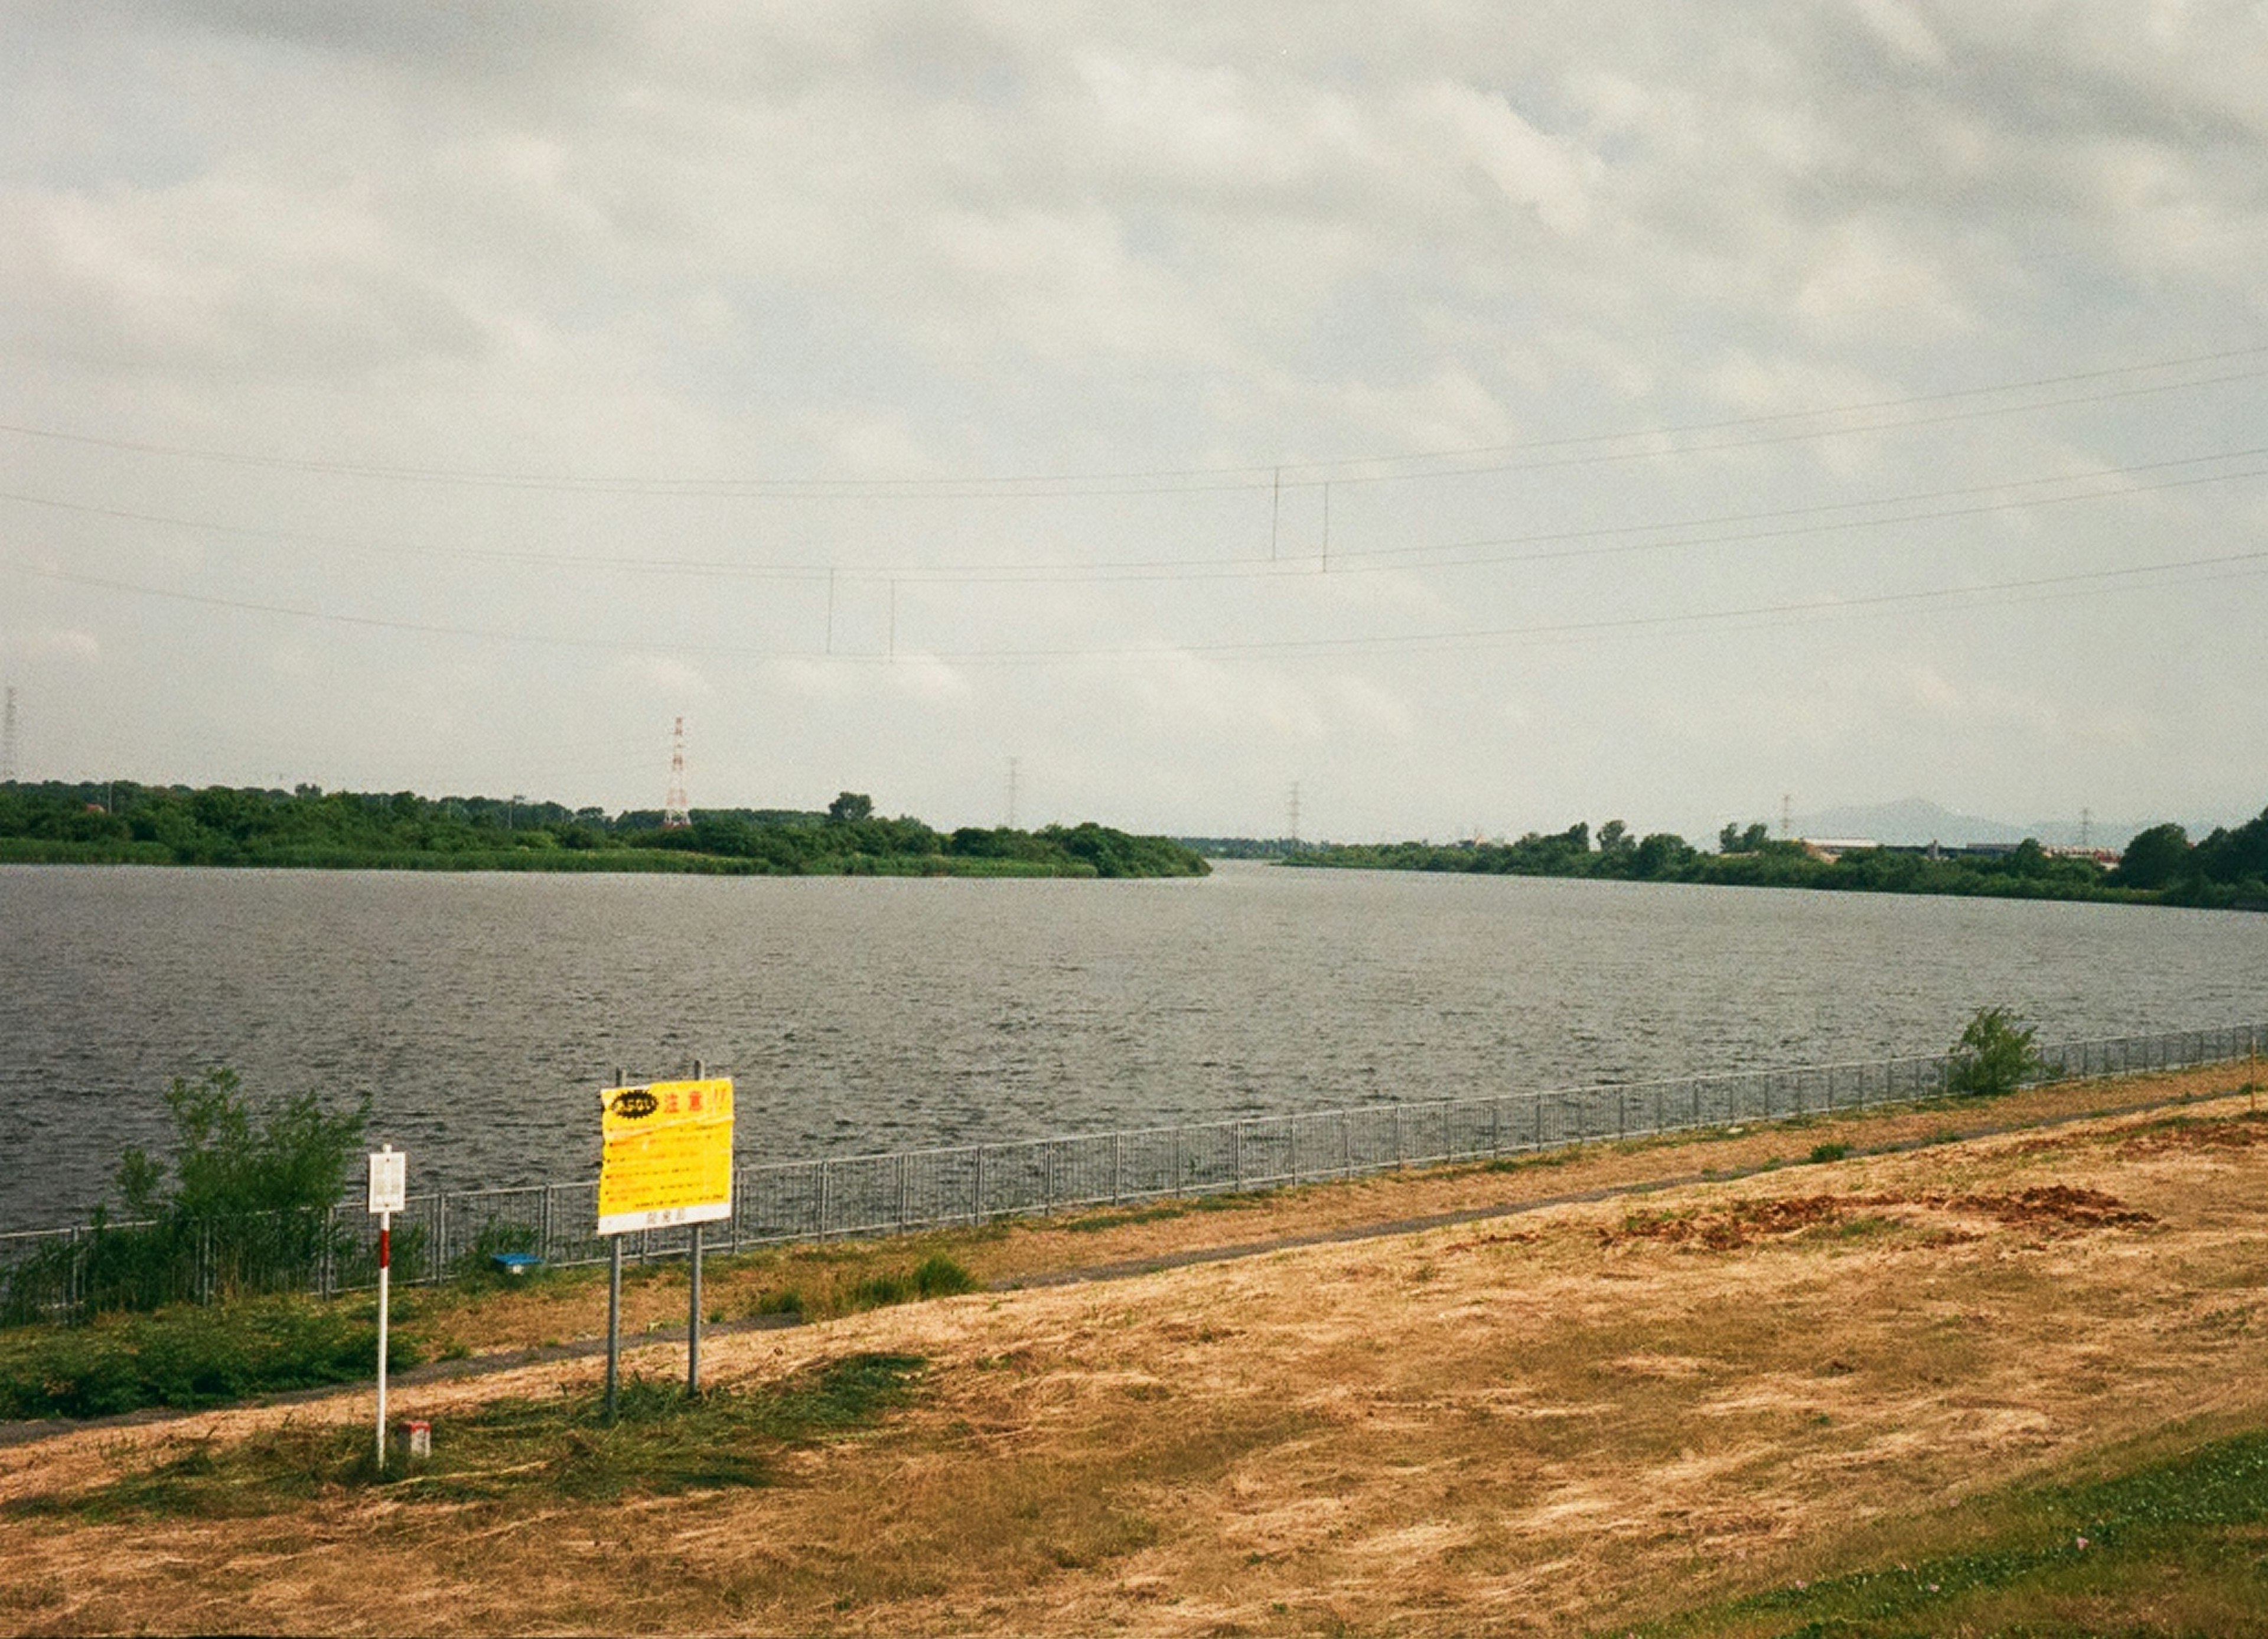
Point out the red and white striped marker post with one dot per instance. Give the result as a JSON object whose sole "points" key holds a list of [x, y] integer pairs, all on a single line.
{"points": [[389, 1185]]}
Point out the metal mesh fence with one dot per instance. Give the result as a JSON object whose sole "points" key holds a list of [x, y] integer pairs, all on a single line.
{"points": [[73, 1271]]}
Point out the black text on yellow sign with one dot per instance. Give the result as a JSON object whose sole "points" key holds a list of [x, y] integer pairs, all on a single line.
{"points": [[666, 1155]]}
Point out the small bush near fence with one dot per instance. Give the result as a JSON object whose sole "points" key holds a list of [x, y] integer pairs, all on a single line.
{"points": [[247, 1210], [1995, 1055]]}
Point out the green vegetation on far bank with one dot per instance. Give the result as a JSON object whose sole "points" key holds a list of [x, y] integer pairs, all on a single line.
{"points": [[2227, 870], [120, 822]]}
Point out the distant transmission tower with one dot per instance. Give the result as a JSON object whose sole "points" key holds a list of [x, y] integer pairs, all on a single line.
{"points": [[1786, 816], [8, 739], [674, 812], [2086, 827], [1012, 793], [1294, 816]]}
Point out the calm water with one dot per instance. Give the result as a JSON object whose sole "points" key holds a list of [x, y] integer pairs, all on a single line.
{"points": [[479, 1012]]}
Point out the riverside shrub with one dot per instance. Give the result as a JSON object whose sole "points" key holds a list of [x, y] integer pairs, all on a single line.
{"points": [[1995, 1055]]}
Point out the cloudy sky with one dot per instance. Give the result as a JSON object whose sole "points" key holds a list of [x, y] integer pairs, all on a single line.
{"points": [[1485, 417]]}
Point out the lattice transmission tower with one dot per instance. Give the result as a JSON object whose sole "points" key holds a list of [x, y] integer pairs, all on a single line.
{"points": [[675, 812]]}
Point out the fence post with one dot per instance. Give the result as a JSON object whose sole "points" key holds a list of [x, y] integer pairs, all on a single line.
{"points": [[1236, 1152], [1118, 1167], [1346, 1143], [1397, 1137], [825, 1182], [977, 1216], [901, 1192]]}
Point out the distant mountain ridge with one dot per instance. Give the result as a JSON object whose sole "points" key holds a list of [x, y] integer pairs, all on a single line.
{"points": [[1914, 822]]}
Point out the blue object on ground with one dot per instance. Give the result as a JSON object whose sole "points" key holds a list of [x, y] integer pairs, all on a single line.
{"points": [[515, 1262]]}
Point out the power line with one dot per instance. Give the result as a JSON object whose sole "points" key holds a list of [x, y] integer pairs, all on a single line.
{"points": [[2236, 562], [1370, 560], [1373, 468]]}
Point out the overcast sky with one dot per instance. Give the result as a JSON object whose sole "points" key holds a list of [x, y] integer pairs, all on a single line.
{"points": [[1486, 417]]}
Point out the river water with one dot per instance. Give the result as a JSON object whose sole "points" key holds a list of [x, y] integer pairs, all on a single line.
{"points": [[479, 1012]]}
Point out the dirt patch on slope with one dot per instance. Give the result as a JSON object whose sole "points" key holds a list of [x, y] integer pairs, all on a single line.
{"points": [[2047, 1210]]}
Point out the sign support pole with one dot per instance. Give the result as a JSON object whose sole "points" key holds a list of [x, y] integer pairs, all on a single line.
{"points": [[693, 1326], [614, 1319], [613, 1307], [693, 1311], [385, 1277], [389, 1194]]}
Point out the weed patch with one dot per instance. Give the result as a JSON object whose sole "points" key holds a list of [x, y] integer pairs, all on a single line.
{"points": [[936, 1275], [190, 1356]]}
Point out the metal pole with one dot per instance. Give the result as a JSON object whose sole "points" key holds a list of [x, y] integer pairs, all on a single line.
{"points": [[385, 1293], [693, 1324], [693, 1303], [614, 1320]]}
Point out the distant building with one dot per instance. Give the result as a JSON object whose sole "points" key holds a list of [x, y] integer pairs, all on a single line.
{"points": [[1830, 848]]}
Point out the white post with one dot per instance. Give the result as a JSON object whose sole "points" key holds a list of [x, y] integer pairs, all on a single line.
{"points": [[389, 1171], [385, 1273]]}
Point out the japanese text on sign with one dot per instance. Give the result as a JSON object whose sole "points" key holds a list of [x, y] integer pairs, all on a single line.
{"points": [[666, 1155]]}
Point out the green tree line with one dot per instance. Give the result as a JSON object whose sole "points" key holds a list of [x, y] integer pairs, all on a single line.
{"points": [[124, 822], [2227, 869]]}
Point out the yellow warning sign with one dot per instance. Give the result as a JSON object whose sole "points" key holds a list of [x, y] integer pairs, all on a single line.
{"points": [[666, 1155]]}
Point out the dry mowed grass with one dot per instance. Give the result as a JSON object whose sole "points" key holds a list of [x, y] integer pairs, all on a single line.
{"points": [[1561, 1421]]}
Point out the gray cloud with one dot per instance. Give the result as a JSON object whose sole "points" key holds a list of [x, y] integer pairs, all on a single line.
{"points": [[617, 246]]}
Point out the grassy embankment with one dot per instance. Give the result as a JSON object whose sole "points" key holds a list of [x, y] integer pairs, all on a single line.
{"points": [[194, 1356], [1790, 1401]]}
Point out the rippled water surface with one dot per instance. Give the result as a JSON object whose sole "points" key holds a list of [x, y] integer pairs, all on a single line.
{"points": [[479, 1012]]}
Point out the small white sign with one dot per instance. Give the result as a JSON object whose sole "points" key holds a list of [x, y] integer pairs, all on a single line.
{"points": [[389, 1180]]}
